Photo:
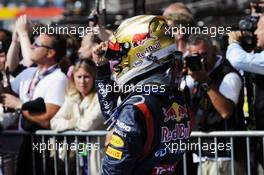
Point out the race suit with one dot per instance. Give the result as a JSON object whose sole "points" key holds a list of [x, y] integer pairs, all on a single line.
{"points": [[150, 127]]}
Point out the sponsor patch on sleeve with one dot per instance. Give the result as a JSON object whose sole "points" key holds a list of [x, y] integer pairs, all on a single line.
{"points": [[120, 133], [114, 153], [117, 141]]}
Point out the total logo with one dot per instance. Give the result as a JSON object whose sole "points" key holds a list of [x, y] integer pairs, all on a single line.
{"points": [[163, 169], [175, 112], [179, 132]]}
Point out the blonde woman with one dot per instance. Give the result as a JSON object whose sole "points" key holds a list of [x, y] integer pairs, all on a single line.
{"points": [[81, 110]]}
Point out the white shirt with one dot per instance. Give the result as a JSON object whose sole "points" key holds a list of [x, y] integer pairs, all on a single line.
{"points": [[242, 60], [51, 88]]}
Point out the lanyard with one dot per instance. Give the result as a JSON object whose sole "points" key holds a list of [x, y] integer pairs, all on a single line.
{"points": [[36, 79]]}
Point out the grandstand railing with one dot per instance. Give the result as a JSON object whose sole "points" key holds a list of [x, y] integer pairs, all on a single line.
{"points": [[86, 137]]}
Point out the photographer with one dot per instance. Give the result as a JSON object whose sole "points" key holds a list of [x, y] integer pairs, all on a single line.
{"points": [[251, 63], [216, 100]]}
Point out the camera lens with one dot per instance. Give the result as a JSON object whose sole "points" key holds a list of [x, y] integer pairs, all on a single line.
{"points": [[193, 62]]}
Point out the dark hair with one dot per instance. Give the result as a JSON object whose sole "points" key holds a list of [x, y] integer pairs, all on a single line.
{"points": [[200, 38], [5, 40], [59, 45], [3, 47], [96, 39], [73, 45], [8, 34]]}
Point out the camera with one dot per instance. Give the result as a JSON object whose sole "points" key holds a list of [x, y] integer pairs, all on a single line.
{"points": [[93, 18], [249, 40], [248, 24], [194, 62]]}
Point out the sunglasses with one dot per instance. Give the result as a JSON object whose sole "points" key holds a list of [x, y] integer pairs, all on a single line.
{"points": [[35, 44]]}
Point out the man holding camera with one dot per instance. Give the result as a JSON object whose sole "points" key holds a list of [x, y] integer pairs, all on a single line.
{"points": [[37, 101], [252, 63], [215, 100]]}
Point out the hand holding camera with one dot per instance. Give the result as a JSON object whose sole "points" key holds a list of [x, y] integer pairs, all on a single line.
{"points": [[247, 27], [234, 37], [10, 101], [196, 67], [193, 62]]}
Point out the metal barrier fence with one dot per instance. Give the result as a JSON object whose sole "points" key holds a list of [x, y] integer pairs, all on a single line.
{"points": [[77, 142]]}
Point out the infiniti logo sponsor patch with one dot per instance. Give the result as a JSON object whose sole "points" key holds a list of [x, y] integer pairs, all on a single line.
{"points": [[123, 126]]}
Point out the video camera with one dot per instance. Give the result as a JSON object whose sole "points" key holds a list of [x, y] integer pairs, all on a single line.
{"points": [[248, 27], [93, 17], [248, 40], [194, 62]]}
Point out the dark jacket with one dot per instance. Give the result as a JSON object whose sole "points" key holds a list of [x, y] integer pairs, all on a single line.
{"points": [[208, 119]]}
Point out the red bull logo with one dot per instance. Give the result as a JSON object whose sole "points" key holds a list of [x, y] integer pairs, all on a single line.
{"points": [[140, 38], [149, 49], [175, 112], [178, 132]]}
